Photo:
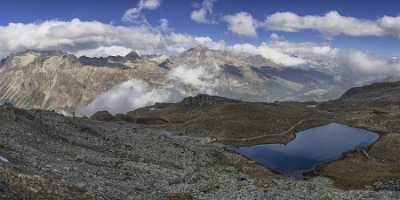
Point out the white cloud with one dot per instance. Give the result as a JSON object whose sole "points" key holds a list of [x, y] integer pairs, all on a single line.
{"points": [[275, 37], [105, 51], [269, 52], [134, 94], [164, 25], [78, 37], [333, 24], [93, 38], [308, 54], [391, 25], [242, 23], [202, 78], [361, 62], [134, 15], [347, 59], [201, 15], [128, 96], [149, 4]]}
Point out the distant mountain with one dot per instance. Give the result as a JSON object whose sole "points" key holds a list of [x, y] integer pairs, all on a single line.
{"points": [[59, 81], [63, 82], [254, 78]]}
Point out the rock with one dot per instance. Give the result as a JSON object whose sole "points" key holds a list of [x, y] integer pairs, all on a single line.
{"points": [[103, 116]]}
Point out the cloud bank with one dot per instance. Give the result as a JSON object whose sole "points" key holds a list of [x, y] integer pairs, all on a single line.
{"points": [[330, 25], [96, 38], [333, 24]]}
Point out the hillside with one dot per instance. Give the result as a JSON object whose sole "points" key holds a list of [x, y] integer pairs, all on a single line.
{"points": [[376, 92], [47, 155]]}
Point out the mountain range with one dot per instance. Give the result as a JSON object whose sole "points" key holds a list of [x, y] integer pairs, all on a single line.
{"points": [[56, 80]]}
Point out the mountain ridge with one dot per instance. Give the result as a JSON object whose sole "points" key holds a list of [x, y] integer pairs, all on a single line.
{"points": [[60, 81]]}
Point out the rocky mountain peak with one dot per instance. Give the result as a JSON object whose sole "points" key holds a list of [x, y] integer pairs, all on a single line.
{"points": [[28, 57], [133, 55]]}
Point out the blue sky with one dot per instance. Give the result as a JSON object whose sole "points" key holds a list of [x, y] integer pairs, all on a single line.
{"points": [[178, 12]]}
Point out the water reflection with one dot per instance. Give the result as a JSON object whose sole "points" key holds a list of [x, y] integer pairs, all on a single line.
{"points": [[309, 149]]}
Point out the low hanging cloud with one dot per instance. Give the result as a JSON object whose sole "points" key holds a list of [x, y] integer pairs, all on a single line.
{"points": [[319, 54], [105, 51], [201, 78], [202, 15], [333, 24], [350, 59], [130, 95], [135, 14], [242, 24], [268, 51]]}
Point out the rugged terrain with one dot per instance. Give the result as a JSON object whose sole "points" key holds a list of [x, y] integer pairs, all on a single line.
{"points": [[58, 81], [239, 123], [177, 151], [54, 80], [376, 92]]}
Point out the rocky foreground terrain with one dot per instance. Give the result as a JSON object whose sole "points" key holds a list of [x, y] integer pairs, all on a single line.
{"points": [[177, 151]]}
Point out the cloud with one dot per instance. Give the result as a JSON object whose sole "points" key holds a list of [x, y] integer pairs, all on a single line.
{"points": [[201, 15], [78, 37], [128, 96], [182, 81], [201, 78], [242, 24], [149, 4], [308, 53], [333, 24], [391, 25], [275, 37], [365, 64], [94, 38], [164, 25], [321, 56], [134, 15], [104, 51], [269, 52]]}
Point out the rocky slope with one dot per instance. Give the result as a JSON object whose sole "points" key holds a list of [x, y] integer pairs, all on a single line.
{"points": [[243, 123], [377, 92], [44, 155], [58, 81]]}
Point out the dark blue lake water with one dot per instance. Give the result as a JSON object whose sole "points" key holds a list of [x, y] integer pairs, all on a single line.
{"points": [[310, 148]]}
